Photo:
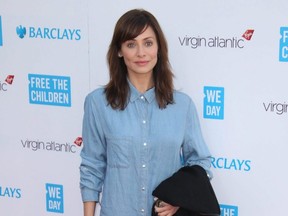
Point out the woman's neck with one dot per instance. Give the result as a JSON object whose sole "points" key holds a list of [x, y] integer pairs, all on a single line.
{"points": [[142, 83]]}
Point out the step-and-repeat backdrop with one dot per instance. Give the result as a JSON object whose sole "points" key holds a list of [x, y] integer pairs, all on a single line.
{"points": [[231, 57]]}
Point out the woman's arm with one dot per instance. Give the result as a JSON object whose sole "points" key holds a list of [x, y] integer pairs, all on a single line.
{"points": [[195, 150], [89, 208]]}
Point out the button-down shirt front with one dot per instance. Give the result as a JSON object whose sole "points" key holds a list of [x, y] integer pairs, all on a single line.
{"points": [[126, 154]]}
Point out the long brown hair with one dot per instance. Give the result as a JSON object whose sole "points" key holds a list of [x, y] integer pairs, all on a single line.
{"points": [[128, 27]]}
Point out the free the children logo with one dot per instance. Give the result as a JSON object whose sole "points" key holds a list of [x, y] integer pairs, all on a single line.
{"points": [[1, 37], [49, 90], [213, 107], [54, 198], [228, 210], [283, 47]]}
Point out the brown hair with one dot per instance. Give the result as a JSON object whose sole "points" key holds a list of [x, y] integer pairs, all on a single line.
{"points": [[128, 27]]}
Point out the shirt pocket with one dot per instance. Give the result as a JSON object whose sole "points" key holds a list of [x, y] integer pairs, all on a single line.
{"points": [[118, 151]]}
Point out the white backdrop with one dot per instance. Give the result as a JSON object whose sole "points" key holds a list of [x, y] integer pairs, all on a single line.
{"points": [[239, 85]]}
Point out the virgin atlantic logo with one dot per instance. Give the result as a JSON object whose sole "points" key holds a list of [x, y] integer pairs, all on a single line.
{"points": [[78, 141], [276, 107], [8, 81], [49, 146], [248, 34], [216, 41]]}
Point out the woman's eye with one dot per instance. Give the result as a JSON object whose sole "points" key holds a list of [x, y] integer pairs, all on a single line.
{"points": [[149, 43], [131, 45]]}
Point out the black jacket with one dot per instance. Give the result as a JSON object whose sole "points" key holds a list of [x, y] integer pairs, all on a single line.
{"points": [[191, 190]]}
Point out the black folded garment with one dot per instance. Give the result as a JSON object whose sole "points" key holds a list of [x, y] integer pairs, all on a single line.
{"points": [[190, 189]]}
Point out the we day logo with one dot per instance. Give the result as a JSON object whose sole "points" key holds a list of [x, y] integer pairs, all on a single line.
{"points": [[54, 198], [213, 102]]}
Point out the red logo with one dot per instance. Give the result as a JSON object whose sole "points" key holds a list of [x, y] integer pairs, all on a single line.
{"points": [[9, 79], [78, 141], [248, 34]]}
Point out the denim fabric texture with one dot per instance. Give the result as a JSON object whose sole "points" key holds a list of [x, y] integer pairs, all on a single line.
{"points": [[126, 154]]}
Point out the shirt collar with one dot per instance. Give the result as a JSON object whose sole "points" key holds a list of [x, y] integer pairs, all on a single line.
{"points": [[135, 94]]}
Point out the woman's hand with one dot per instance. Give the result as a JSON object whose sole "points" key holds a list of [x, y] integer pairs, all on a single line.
{"points": [[166, 209]]}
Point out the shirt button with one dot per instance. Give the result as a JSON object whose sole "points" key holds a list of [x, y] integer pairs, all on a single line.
{"points": [[144, 122], [142, 210], [142, 97], [143, 165], [145, 144], [143, 188]]}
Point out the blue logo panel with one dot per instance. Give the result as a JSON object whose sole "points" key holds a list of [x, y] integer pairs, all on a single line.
{"points": [[283, 49], [228, 210], [1, 38], [54, 198], [213, 102], [49, 90]]}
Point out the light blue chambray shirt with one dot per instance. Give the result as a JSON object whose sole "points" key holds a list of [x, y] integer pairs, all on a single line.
{"points": [[126, 154]]}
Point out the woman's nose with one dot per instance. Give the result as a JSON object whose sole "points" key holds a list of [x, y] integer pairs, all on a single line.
{"points": [[140, 51]]}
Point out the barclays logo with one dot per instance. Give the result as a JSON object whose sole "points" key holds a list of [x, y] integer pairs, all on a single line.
{"points": [[10, 192], [231, 164], [21, 31], [48, 33], [1, 38]]}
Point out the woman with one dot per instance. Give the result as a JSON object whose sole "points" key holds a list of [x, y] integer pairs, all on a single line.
{"points": [[137, 128]]}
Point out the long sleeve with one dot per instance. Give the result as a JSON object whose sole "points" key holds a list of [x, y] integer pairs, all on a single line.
{"points": [[195, 150], [93, 154]]}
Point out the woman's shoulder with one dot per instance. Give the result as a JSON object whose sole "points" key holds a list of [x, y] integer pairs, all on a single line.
{"points": [[184, 100], [97, 94], [181, 96]]}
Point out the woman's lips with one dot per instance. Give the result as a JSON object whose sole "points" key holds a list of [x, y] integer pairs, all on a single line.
{"points": [[141, 63]]}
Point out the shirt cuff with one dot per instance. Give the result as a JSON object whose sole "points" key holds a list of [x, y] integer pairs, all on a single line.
{"points": [[89, 195]]}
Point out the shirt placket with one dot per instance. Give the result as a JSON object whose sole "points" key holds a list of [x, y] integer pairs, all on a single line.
{"points": [[144, 166]]}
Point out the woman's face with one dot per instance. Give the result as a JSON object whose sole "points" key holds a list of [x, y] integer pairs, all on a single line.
{"points": [[140, 53]]}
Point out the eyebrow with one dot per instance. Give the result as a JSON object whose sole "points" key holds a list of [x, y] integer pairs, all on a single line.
{"points": [[150, 37]]}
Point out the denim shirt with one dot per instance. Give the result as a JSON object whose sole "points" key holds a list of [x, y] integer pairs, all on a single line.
{"points": [[126, 154]]}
